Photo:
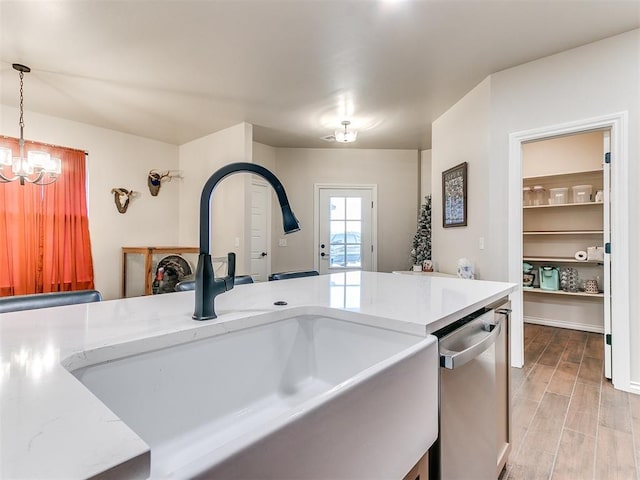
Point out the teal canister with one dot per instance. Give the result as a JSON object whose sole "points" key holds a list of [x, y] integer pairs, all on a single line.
{"points": [[549, 278]]}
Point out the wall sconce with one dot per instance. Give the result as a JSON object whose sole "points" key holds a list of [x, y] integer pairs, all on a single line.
{"points": [[121, 197], [155, 179]]}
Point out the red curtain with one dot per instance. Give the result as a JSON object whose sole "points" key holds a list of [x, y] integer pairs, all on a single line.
{"points": [[44, 230]]}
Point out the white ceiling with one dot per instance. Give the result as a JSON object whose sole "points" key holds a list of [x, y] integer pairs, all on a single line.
{"points": [[178, 70]]}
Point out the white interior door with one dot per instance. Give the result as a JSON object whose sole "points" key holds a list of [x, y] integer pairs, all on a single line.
{"points": [[260, 232], [607, 256], [345, 230]]}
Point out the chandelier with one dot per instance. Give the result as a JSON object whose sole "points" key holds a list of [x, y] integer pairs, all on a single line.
{"points": [[346, 136], [34, 167]]}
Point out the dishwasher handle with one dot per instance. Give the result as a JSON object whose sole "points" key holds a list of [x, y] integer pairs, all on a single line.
{"points": [[450, 359]]}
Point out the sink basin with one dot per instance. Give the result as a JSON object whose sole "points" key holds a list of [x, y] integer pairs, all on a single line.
{"points": [[304, 397]]}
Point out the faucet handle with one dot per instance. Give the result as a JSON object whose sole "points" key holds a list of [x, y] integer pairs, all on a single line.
{"points": [[231, 271]]}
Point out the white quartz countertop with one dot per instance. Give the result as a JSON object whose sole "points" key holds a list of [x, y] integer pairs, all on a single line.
{"points": [[53, 427]]}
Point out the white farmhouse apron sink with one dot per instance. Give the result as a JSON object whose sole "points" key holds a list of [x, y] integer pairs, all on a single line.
{"points": [[304, 397]]}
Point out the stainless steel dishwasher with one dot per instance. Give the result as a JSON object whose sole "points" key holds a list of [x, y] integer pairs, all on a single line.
{"points": [[466, 446]]}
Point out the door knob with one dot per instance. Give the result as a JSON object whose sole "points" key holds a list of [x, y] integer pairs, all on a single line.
{"points": [[323, 254], [263, 254]]}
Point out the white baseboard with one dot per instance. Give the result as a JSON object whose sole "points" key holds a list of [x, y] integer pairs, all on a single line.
{"points": [[549, 322], [634, 387]]}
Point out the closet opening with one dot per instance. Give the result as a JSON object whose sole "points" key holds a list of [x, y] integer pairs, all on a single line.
{"points": [[565, 229], [568, 241], [568, 248]]}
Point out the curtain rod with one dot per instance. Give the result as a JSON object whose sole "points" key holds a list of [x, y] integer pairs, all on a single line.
{"points": [[49, 144]]}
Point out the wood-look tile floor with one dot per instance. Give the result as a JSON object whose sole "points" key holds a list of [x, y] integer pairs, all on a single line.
{"points": [[568, 422]]}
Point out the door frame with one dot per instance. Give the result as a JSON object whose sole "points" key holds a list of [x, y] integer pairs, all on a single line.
{"points": [[255, 180], [617, 124], [316, 217]]}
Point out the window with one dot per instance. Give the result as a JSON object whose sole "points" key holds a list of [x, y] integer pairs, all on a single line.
{"points": [[44, 230]]}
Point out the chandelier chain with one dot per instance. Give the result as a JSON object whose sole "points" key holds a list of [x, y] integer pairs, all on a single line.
{"points": [[21, 123]]}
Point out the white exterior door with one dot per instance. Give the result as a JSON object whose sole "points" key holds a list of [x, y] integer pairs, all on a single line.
{"points": [[260, 234], [346, 229]]}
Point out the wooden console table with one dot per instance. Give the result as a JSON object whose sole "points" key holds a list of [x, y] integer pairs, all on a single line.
{"points": [[148, 253]]}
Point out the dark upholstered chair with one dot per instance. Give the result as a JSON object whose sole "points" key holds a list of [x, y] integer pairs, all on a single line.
{"points": [[187, 285], [44, 300], [243, 279], [286, 275]]}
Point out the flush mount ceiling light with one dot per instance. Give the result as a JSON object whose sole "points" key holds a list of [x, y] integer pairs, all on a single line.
{"points": [[36, 167], [346, 136]]}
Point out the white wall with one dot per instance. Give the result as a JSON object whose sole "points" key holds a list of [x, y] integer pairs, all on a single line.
{"points": [[425, 174], [264, 155], [198, 160], [115, 160], [589, 81], [462, 135], [172, 218], [593, 80], [572, 153], [395, 173]]}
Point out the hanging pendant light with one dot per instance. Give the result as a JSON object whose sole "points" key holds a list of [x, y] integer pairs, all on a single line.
{"points": [[346, 136], [35, 167]]}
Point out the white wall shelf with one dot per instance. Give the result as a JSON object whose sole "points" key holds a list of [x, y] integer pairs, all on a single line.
{"points": [[552, 176], [562, 292], [566, 232], [561, 260], [585, 204]]}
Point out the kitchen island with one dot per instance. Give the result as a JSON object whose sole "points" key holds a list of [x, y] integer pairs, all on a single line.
{"points": [[53, 426]]}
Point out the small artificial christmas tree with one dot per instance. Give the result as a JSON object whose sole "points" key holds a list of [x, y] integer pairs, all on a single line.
{"points": [[421, 250]]}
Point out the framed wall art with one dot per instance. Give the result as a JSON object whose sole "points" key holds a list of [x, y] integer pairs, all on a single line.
{"points": [[454, 196]]}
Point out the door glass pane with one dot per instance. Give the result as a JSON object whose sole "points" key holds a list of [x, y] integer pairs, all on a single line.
{"points": [[337, 208], [354, 255], [353, 250], [354, 229], [337, 249], [337, 257], [354, 208], [337, 232]]}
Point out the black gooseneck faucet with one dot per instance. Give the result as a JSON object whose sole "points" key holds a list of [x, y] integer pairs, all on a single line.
{"points": [[207, 286]]}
